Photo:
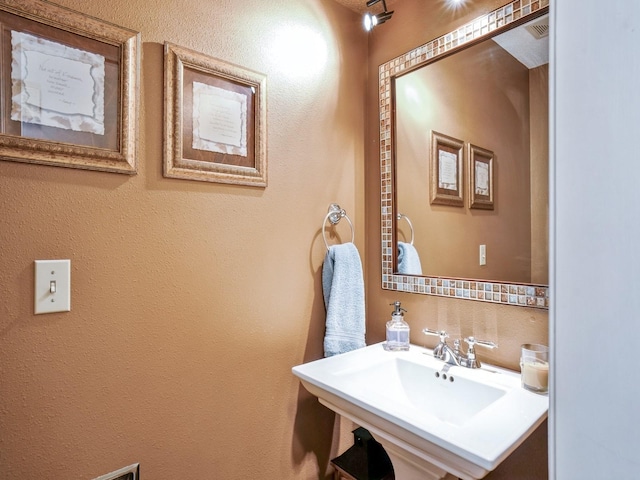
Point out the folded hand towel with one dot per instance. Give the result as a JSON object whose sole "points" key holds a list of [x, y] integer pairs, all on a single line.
{"points": [[408, 259], [343, 291]]}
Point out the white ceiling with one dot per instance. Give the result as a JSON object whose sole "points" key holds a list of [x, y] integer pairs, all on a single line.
{"points": [[521, 44]]}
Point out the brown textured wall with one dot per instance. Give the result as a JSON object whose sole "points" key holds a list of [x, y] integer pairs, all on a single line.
{"points": [[539, 84], [190, 301], [416, 22], [479, 96]]}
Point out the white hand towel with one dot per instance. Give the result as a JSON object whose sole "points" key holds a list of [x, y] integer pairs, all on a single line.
{"points": [[408, 259], [343, 291]]}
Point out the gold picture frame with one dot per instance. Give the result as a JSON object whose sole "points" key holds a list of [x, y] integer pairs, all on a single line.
{"points": [[481, 178], [215, 120], [70, 88], [446, 166]]}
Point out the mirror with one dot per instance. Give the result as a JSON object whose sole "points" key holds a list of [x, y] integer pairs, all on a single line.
{"points": [[464, 147], [492, 95]]}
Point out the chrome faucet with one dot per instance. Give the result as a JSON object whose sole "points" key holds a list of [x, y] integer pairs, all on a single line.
{"points": [[453, 356]]}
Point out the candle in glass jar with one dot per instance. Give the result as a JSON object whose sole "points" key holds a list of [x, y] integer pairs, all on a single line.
{"points": [[535, 375], [534, 365]]}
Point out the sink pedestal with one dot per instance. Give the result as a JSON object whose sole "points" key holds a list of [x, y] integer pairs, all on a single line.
{"points": [[433, 426], [407, 466], [410, 462]]}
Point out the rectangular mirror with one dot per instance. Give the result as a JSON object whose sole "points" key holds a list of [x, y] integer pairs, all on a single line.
{"points": [[482, 89]]}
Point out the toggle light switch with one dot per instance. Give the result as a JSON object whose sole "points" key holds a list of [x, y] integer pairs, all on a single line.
{"points": [[483, 255], [52, 286]]}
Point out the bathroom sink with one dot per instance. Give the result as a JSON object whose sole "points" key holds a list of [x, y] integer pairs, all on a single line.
{"points": [[433, 419]]}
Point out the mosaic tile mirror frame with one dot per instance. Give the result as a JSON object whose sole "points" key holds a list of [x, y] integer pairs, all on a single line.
{"points": [[526, 295]]}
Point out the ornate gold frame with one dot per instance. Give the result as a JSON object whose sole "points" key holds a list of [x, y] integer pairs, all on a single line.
{"points": [[65, 148], [441, 143], [477, 155], [183, 161]]}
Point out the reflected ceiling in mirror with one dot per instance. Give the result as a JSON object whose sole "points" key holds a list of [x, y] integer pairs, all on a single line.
{"points": [[522, 284]]}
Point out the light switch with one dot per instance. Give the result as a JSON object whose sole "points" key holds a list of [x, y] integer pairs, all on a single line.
{"points": [[52, 286], [483, 254]]}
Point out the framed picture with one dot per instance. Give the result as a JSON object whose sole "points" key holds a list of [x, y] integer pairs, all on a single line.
{"points": [[480, 178], [215, 120], [70, 87], [446, 170]]}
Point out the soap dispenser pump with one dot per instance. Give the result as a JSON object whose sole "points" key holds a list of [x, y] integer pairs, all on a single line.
{"points": [[397, 330]]}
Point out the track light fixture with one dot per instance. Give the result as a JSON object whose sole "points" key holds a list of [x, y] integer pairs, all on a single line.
{"points": [[370, 20]]}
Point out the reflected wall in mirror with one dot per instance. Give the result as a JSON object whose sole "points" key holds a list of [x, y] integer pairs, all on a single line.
{"points": [[485, 96], [465, 85]]}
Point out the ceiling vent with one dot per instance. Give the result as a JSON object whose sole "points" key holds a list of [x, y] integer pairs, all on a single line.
{"points": [[540, 29]]}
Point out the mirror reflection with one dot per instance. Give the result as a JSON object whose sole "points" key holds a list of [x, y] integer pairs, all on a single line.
{"points": [[492, 98]]}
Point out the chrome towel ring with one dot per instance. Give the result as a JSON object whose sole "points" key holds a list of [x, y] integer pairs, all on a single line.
{"points": [[334, 215], [400, 217]]}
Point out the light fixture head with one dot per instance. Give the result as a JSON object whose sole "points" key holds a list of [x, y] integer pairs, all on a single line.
{"points": [[384, 16], [370, 21]]}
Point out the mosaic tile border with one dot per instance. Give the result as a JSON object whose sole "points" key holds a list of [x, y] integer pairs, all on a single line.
{"points": [[494, 292]]}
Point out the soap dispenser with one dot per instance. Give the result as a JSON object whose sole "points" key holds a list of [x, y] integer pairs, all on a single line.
{"points": [[397, 331]]}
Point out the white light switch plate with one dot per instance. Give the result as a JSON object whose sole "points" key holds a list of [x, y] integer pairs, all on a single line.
{"points": [[483, 255], [52, 286]]}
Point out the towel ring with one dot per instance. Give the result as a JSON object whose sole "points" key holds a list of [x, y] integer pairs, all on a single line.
{"points": [[334, 215], [400, 217]]}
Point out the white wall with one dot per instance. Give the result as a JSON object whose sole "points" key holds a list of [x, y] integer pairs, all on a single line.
{"points": [[595, 230]]}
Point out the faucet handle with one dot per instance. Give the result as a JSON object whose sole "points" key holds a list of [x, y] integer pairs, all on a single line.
{"points": [[472, 361], [472, 341], [442, 350], [441, 333]]}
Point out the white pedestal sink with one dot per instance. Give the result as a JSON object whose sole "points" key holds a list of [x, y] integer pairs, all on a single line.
{"points": [[432, 423]]}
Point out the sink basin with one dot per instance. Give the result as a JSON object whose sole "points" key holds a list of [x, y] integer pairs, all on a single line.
{"points": [[433, 419], [415, 387]]}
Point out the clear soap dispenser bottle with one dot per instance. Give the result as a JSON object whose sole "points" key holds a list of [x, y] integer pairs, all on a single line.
{"points": [[397, 331]]}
